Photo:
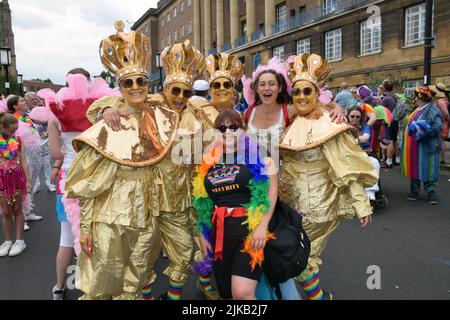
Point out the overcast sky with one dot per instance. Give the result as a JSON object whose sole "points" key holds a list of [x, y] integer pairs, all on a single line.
{"points": [[54, 36]]}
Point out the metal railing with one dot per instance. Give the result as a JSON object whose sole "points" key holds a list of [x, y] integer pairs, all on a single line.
{"points": [[241, 41], [258, 35], [226, 47]]}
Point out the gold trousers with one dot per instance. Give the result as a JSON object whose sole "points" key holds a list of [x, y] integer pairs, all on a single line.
{"points": [[119, 265], [319, 234], [177, 240]]}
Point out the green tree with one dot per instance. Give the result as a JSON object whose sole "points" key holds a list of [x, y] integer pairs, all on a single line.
{"points": [[13, 86]]}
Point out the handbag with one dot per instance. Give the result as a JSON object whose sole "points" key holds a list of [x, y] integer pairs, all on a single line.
{"points": [[286, 256]]}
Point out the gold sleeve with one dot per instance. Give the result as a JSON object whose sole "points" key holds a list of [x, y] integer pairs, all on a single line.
{"points": [[98, 106], [351, 170], [87, 212]]}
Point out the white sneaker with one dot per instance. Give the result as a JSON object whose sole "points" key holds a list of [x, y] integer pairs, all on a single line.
{"points": [[36, 189], [32, 217], [58, 294], [26, 227], [4, 248], [17, 248], [52, 188]]}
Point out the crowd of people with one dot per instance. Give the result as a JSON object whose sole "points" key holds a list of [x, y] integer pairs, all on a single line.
{"points": [[133, 179]]}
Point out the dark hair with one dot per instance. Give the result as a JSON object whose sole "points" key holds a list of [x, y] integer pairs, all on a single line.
{"points": [[388, 85], [283, 96], [82, 71], [361, 112], [12, 101], [231, 116], [7, 119], [201, 93]]}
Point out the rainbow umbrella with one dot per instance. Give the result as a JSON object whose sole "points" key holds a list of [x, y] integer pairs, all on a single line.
{"points": [[384, 114]]}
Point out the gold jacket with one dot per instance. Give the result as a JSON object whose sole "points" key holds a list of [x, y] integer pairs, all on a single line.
{"points": [[324, 172]]}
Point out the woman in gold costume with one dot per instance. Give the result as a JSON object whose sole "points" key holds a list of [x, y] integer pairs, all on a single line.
{"points": [[112, 177], [323, 172]]}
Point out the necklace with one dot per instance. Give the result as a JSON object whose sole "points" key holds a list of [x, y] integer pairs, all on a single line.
{"points": [[8, 146], [25, 119], [268, 111]]}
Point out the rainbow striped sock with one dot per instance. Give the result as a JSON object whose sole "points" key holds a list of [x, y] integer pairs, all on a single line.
{"points": [[206, 283], [311, 285], [175, 288], [147, 293]]}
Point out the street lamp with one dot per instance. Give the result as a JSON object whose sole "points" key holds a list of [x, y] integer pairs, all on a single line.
{"points": [[159, 65], [5, 61], [20, 82]]}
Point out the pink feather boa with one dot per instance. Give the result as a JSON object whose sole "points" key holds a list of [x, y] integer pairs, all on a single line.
{"points": [[72, 209]]}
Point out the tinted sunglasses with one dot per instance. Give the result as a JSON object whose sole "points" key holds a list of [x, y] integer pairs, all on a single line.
{"points": [[233, 128], [306, 91], [128, 83], [218, 85], [186, 92], [355, 117]]}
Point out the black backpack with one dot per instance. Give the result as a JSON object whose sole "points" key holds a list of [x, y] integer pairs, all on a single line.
{"points": [[286, 256]]}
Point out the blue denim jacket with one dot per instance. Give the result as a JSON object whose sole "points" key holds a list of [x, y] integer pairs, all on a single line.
{"points": [[433, 116]]}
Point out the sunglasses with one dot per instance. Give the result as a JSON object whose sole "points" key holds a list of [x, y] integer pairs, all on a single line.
{"points": [[306, 91], [233, 128], [355, 117], [187, 93], [218, 85], [128, 83]]}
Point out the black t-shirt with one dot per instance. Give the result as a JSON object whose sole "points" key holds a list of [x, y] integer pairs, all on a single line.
{"points": [[227, 186]]}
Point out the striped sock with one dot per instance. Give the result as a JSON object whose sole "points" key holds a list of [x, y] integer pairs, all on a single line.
{"points": [[175, 288], [311, 285], [205, 282], [147, 293]]}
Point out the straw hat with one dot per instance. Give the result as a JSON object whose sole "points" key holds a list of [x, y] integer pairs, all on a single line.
{"points": [[439, 89]]}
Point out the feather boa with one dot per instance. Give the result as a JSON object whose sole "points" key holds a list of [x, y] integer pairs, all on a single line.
{"points": [[258, 206]]}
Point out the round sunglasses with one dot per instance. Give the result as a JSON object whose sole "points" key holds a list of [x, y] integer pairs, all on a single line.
{"points": [[306, 91], [187, 93], [233, 128], [128, 83], [218, 85]]}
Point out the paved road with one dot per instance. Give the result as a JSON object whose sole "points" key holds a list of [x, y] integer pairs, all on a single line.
{"points": [[409, 242]]}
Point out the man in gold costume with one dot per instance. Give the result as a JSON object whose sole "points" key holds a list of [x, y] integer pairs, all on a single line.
{"points": [[113, 177], [170, 187], [324, 171]]}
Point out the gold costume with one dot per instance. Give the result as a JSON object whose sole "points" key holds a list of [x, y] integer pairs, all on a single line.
{"points": [[112, 176], [323, 172]]}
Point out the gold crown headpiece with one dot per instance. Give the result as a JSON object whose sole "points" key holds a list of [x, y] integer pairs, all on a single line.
{"points": [[311, 68], [224, 65], [125, 54], [182, 63]]}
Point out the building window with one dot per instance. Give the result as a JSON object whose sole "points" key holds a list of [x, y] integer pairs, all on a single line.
{"points": [[244, 28], [410, 86], [281, 17], [415, 25], [370, 37], [279, 52], [333, 45], [189, 24], [304, 46], [329, 6], [168, 17], [256, 60], [174, 12], [182, 31], [189, 3], [175, 38], [181, 6]]}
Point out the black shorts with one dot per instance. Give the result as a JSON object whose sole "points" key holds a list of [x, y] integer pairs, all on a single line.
{"points": [[234, 261], [393, 131]]}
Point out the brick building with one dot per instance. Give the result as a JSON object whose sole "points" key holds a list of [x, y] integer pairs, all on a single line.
{"points": [[365, 40]]}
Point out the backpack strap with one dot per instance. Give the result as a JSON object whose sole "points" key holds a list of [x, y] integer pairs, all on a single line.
{"points": [[248, 113], [285, 114]]}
